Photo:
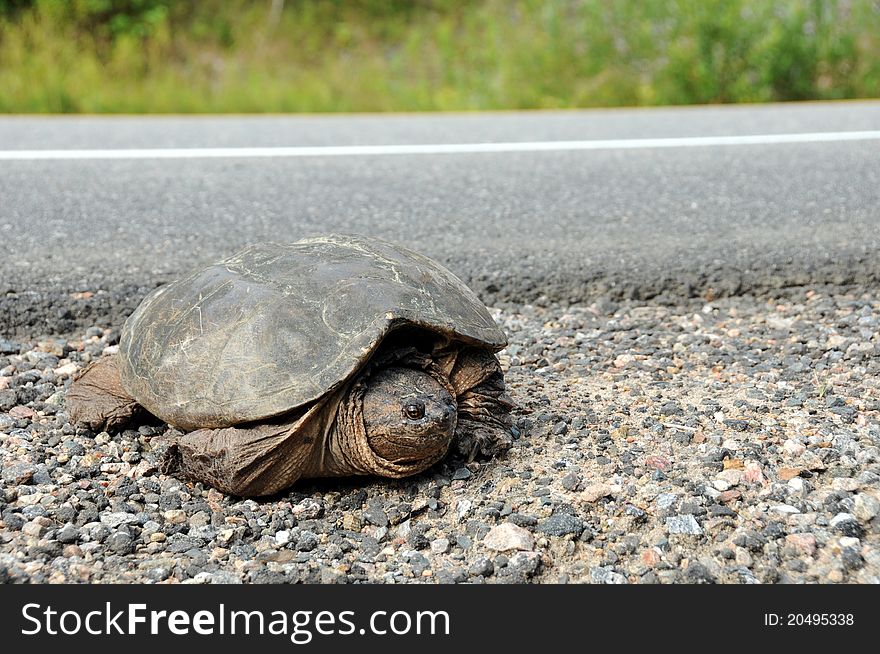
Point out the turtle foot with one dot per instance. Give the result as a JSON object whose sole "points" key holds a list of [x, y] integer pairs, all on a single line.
{"points": [[97, 399], [484, 422]]}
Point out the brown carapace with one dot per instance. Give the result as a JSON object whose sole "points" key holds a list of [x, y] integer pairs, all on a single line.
{"points": [[332, 356]]}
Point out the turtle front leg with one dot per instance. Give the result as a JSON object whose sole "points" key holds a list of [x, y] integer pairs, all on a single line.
{"points": [[248, 461], [97, 399], [484, 422]]}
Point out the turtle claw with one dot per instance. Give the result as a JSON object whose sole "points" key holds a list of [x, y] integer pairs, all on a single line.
{"points": [[478, 438]]}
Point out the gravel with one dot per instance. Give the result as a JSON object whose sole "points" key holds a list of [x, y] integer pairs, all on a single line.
{"points": [[731, 440]]}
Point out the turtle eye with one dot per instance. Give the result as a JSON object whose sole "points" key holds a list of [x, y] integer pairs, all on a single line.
{"points": [[414, 410]]}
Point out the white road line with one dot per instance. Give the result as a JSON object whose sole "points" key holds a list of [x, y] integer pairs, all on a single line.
{"points": [[438, 148]]}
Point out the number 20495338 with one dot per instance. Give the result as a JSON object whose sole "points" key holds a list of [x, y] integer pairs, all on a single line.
{"points": [[809, 619]]}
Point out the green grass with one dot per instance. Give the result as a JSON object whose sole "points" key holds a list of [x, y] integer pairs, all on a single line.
{"points": [[411, 55]]}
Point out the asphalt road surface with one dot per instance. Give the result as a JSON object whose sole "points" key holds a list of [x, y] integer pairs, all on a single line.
{"points": [[571, 207]]}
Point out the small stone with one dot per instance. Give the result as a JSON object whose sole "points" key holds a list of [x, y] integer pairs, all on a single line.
{"points": [[17, 474], [462, 473], [570, 481], [671, 409], [507, 536], [35, 529], [22, 412], [846, 484], [658, 463], [788, 473], [651, 557], [200, 519], [738, 425], [282, 537], [352, 522], [866, 507], [53, 346], [732, 476], [796, 484], [175, 516], [482, 567], [121, 543], [332, 576], [115, 519], [846, 524], [306, 542], [804, 543], [71, 551], [729, 496], [665, 500], [404, 529], [849, 541], [793, 448], [717, 510], [56, 399], [743, 557], [67, 534], [606, 576], [9, 347], [8, 400], [753, 473], [522, 520], [561, 524], [307, 509], [525, 562], [218, 577], [784, 508], [439, 546], [595, 492], [66, 370], [30, 500], [860, 348], [375, 515], [835, 341], [683, 524]]}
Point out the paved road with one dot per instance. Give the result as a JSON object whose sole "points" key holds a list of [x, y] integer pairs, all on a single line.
{"points": [[568, 225]]}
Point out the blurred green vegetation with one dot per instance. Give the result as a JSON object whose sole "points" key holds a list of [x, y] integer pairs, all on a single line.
{"points": [[399, 55]]}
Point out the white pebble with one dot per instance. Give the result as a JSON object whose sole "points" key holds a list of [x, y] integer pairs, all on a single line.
{"points": [[439, 546], [508, 536], [784, 508]]}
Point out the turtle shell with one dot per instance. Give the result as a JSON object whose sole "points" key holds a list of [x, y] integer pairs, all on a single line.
{"points": [[277, 326]]}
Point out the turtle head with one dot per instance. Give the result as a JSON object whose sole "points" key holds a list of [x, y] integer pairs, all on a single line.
{"points": [[409, 418], [393, 421]]}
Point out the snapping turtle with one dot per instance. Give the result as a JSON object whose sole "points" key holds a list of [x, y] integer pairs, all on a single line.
{"points": [[331, 356]]}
